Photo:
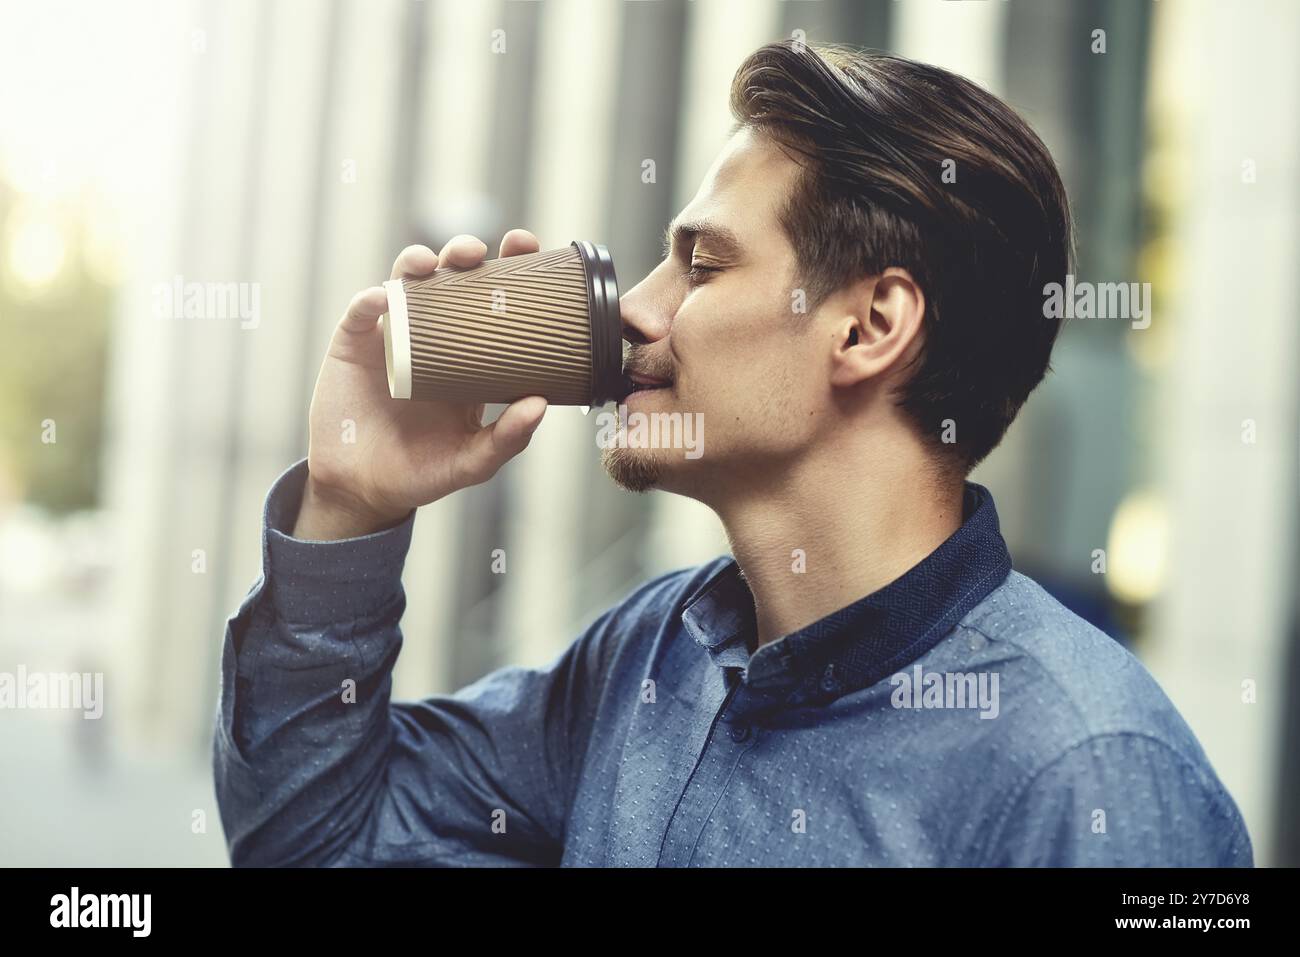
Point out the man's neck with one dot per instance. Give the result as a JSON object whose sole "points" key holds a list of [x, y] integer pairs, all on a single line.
{"points": [[819, 538]]}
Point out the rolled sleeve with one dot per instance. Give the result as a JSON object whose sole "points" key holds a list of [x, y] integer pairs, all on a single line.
{"points": [[326, 581]]}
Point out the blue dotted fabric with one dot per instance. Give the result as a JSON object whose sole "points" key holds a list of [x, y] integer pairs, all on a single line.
{"points": [[958, 717]]}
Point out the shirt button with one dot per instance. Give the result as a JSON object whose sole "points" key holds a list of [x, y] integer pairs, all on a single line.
{"points": [[740, 732]]}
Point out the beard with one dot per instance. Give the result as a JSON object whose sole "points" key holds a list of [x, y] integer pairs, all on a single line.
{"points": [[637, 470]]}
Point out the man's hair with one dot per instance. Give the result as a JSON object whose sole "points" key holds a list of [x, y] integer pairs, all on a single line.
{"points": [[875, 135]]}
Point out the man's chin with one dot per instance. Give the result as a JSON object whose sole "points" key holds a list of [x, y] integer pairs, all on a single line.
{"points": [[637, 470]]}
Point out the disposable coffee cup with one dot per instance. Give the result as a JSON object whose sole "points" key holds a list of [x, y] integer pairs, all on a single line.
{"points": [[544, 323]]}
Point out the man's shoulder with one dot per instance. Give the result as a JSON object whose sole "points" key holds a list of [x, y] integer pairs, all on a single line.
{"points": [[1083, 719], [1021, 613], [1068, 679]]}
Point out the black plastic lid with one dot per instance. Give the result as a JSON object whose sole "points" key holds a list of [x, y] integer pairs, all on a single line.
{"points": [[607, 380]]}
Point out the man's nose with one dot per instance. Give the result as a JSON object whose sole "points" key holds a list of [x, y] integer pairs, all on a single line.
{"points": [[644, 318]]}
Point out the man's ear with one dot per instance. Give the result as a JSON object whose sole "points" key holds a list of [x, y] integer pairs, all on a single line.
{"points": [[879, 327]]}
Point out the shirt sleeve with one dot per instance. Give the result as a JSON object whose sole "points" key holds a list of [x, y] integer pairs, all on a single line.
{"points": [[1123, 800], [315, 766]]}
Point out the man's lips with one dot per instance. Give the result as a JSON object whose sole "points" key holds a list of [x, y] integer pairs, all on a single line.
{"points": [[645, 383]]}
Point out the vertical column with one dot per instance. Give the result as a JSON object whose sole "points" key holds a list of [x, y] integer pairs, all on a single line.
{"points": [[1227, 416]]}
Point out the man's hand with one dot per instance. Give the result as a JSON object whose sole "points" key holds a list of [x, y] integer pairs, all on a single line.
{"points": [[404, 454]]}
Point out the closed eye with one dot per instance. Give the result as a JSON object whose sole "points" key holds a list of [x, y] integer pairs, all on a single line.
{"points": [[698, 274]]}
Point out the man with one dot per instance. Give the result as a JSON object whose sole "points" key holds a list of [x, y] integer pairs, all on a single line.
{"points": [[853, 301]]}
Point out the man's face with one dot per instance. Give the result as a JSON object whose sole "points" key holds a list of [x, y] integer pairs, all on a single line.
{"points": [[721, 323]]}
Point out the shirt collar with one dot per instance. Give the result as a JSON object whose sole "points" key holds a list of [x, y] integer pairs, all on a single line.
{"points": [[863, 642]]}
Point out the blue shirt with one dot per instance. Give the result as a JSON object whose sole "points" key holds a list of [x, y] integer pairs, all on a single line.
{"points": [[958, 716]]}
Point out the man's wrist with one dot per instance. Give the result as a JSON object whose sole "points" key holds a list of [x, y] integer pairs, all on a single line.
{"points": [[328, 514]]}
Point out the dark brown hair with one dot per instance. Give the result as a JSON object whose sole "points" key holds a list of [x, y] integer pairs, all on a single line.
{"points": [[874, 134]]}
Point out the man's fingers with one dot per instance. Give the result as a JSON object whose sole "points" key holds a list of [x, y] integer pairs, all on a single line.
{"points": [[519, 420], [414, 261], [365, 309], [517, 242], [463, 251], [490, 448]]}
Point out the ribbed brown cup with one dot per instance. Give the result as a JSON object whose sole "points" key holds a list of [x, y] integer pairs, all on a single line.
{"points": [[544, 323]]}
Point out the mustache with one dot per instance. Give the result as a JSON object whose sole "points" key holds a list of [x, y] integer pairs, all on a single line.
{"points": [[644, 361]]}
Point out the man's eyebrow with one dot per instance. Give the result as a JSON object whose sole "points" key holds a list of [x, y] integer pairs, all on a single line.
{"points": [[720, 238]]}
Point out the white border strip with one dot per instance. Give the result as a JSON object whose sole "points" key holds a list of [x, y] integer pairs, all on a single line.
{"points": [[397, 341]]}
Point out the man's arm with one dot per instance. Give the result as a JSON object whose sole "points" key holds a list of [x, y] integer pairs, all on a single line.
{"points": [[313, 764], [1122, 800]]}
